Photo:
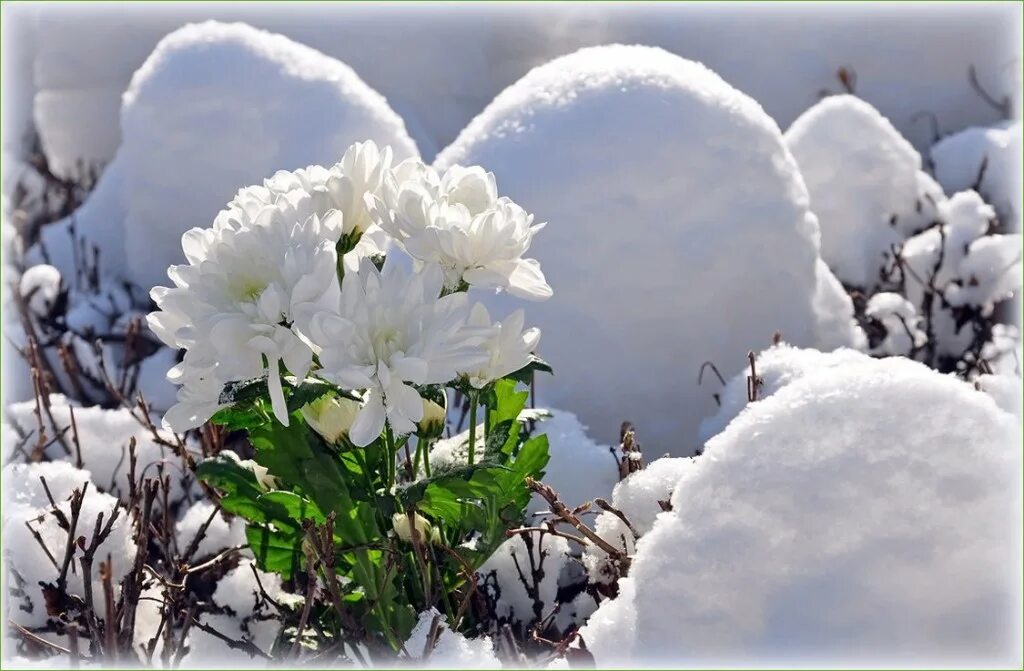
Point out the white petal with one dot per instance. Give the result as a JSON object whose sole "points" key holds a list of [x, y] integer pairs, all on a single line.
{"points": [[369, 422], [277, 401]]}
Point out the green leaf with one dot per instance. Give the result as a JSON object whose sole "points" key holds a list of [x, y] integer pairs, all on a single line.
{"points": [[526, 373], [276, 550], [296, 507], [507, 402], [532, 457], [249, 407], [240, 487], [299, 457]]}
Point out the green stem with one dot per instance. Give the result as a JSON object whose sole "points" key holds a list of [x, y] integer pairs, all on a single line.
{"points": [[487, 422], [422, 453], [472, 427], [389, 442]]}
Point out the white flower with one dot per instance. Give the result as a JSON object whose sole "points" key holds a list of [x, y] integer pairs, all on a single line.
{"points": [[474, 188], [233, 304], [484, 251], [331, 416], [388, 332], [411, 188], [340, 196], [458, 222], [508, 346], [198, 397], [344, 187]]}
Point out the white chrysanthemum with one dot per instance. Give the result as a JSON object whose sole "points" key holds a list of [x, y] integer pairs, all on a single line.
{"points": [[339, 195], [343, 187], [411, 188], [508, 346], [198, 397], [390, 331], [234, 303], [457, 221]]}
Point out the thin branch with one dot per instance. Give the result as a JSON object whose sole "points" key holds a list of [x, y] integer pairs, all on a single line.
{"points": [[559, 509]]}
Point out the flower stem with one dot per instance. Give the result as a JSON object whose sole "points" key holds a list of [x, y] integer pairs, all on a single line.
{"points": [[472, 427], [422, 454], [389, 441], [426, 457]]}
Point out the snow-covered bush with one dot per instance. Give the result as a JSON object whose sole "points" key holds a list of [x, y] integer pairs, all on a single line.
{"points": [[867, 511], [521, 579], [193, 109], [865, 182], [432, 644], [36, 534], [104, 440], [986, 160], [635, 505], [671, 196], [926, 273]]}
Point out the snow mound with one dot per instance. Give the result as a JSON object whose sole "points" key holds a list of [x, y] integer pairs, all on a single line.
{"points": [[451, 649], [637, 497], [25, 501], [669, 195], [1005, 390], [958, 161], [579, 469], [865, 181], [521, 577], [103, 441], [867, 512], [776, 367], [837, 326], [215, 107], [221, 533]]}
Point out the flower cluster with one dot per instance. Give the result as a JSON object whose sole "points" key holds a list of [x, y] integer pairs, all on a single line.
{"points": [[295, 279]]}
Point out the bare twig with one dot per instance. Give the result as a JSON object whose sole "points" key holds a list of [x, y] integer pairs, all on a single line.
{"points": [[29, 636], [559, 509], [245, 646], [604, 505]]}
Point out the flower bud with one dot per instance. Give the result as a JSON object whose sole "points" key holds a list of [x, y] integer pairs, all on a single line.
{"points": [[427, 532], [331, 416], [434, 415]]}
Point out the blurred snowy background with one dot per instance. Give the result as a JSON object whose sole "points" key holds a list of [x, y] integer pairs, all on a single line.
{"points": [[853, 183]]}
